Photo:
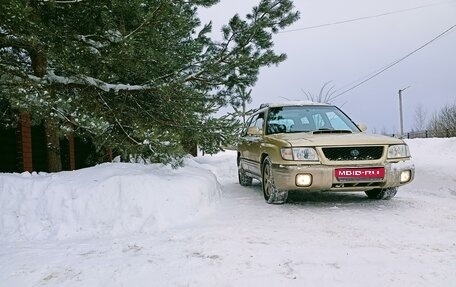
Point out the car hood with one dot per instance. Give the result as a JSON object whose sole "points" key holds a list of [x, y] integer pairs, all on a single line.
{"points": [[334, 139]]}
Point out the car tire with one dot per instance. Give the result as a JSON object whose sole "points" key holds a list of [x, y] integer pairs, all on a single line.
{"points": [[244, 179], [271, 194], [382, 193]]}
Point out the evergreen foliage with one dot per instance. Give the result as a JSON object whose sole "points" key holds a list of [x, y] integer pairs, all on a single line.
{"points": [[140, 77]]}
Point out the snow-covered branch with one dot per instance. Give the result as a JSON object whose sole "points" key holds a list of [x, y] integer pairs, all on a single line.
{"points": [[110, 36], [52, 78], [63, 1], [90, 42]]}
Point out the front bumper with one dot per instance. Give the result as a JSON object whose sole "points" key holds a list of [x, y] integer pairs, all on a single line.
{"points": [[324, 179]]}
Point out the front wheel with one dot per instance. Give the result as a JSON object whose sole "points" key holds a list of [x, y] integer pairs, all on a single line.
{"points": [[382, 193], [244, 179], [271, 193]]}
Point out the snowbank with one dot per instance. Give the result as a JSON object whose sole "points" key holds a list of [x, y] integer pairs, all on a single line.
{"points": [[117, 199], [317, 240], [113, 199], [434, 155]]}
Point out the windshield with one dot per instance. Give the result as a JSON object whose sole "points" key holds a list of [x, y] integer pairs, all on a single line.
{"points": [[294, 119]]}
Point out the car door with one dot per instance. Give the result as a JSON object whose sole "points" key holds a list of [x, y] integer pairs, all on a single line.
{"points": [[250, 144]]}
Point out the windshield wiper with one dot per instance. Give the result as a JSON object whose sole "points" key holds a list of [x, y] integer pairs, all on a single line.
{"points": [[293, 132], [329, 131]]}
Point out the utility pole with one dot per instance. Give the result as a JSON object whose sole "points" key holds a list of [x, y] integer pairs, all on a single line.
{"points": [[400, 111]]}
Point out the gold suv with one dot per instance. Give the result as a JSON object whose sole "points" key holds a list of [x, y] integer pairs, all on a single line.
{"points": [[309, 146]]}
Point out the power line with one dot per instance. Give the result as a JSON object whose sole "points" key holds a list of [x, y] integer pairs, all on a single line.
{"points": [[360, 18], [374, 74]]}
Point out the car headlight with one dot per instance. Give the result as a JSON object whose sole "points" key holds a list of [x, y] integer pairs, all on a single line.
{"points": [[398, 151], [299, 153]]}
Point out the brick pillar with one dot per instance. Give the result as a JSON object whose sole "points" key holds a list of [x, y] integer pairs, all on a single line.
{"points": [[71, 150], [26, 142]]}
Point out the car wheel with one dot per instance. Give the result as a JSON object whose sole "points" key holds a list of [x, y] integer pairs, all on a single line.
{"points": [[271, 193], [382, 193], [244, 179]]}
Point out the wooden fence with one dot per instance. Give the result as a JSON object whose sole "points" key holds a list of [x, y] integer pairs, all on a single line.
{"points": [[446, 133]]}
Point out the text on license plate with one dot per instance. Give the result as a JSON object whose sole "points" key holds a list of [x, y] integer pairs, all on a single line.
{"points": [[376, 172]]}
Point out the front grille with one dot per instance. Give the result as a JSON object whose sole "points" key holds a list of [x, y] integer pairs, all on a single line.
{"points": [[353, 153]]}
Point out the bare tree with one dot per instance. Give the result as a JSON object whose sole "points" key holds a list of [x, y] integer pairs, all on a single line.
{"points": [[326, 94], [420, 118], [443, 123]]}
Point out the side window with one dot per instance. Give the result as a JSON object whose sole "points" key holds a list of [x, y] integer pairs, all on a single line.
{"points": [[257, 121], [248, 124], [253, 121]]}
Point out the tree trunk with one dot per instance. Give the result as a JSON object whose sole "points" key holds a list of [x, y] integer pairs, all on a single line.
{"points": [[53, 146], [39, 64], [70, 138], [191, 147], [26, 142]]}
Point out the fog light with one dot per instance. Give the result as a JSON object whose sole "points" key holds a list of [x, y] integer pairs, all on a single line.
{"points": [[304, 179], [405, 176]]}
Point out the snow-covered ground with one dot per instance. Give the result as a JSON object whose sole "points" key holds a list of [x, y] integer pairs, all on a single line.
{"points": [[135, 225]]}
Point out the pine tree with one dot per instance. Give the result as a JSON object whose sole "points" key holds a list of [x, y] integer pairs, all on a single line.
{"points": [[239, 103], [140, 77]]}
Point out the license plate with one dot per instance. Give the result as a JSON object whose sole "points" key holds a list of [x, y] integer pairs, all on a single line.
{"points": [[360, 173]]}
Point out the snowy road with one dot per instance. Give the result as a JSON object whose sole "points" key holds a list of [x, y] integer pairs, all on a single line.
{"points": [[315, 240]]}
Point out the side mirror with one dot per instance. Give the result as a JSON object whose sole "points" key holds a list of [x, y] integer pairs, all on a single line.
{"points": [[362, 127], [253, 131]]}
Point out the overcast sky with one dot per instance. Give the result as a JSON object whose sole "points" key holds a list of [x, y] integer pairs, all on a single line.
{"points": [[346, 52]]}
